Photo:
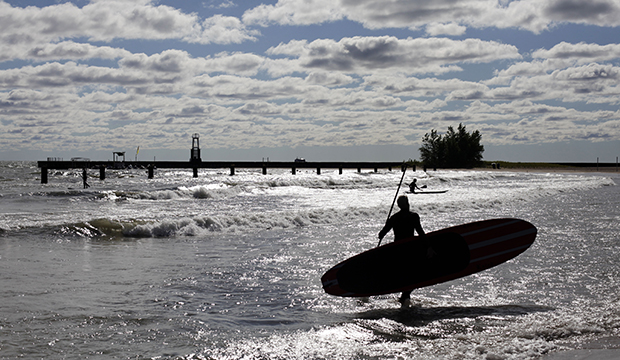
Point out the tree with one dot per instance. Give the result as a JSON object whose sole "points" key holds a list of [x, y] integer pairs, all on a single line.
{"points": [[455, 149]]}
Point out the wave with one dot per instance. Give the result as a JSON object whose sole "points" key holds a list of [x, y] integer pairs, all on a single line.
{"points": [[200, 225], [219, 186], [251, 220], [255, 202]]}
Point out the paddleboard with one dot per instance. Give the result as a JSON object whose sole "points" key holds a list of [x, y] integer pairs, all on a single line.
{"points": [[454, 252], [428, 192]]}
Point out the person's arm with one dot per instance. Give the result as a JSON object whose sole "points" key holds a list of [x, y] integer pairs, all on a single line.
{"points": [[386, 229], [418, 226]]}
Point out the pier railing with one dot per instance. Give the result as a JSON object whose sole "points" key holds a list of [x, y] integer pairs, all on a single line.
{"points": [[195, 165]]}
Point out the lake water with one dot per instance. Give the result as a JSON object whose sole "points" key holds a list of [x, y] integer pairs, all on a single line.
{"points": [[229, 267]]}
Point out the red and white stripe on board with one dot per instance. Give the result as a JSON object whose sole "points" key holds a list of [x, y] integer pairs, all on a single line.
{"points": [[488, 243]]}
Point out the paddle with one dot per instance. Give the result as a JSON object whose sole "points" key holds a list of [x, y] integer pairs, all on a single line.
{"points": [[395, 196]]}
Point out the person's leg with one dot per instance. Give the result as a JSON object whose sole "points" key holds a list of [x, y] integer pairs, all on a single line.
{"points": [[405, 298]]}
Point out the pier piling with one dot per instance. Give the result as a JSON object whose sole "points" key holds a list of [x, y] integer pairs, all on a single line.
{"points": [[43, 175]]}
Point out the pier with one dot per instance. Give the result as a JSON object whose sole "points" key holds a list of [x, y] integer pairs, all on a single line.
{"points": [[194, 164]]}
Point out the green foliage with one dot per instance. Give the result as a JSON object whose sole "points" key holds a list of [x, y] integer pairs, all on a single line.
{"points": [[454, 149]]}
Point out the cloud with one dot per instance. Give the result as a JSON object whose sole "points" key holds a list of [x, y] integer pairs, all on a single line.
{"points": [[71, 74], [412, 14], [420, 55], [594, 12], [589, 73], [242, 88], [113, 19], [222, 5], [170, 61], [220, 29], [327, 78], [294, 12], [568, 72], [531, 15], [579, 53], [66, 50], [74, 51], [592, 83], [453, 29], [235, 63], [420, 88]]}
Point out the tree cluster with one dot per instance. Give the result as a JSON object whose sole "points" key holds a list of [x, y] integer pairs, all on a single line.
{"points": [[454, 149]]}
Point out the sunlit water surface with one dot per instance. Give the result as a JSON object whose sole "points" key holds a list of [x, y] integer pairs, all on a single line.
{"points": [[227, 267]]}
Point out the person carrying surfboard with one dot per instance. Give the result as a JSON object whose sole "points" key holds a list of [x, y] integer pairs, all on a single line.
{"points": [[404, 223]]}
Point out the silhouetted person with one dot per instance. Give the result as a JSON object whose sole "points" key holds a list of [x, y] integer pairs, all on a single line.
{"points": [[414, 186], [84, 178], [404, 223]]}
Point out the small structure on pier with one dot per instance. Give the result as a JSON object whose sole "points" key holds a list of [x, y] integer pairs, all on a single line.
{"points": [[118, 158], [116, 155], [195, 151]]}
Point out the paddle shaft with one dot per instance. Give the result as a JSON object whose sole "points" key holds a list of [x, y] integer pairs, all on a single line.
{"points": [[395, 196]]}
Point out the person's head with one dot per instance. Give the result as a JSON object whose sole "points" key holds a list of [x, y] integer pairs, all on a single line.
{"points": [[403, 202]]}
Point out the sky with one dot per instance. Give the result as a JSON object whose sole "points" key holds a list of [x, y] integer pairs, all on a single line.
{"points": [[342, 80]]}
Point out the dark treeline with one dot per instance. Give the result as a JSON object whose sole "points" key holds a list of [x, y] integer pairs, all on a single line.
{"points": [[454, 149]]}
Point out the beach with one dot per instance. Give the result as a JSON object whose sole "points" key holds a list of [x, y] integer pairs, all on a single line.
{"points": [[229, 267]]}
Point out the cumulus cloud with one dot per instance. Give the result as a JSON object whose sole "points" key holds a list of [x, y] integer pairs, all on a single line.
{"points": [[453, 29], [242, 88], [532, 15], [413, 14], [221, 29], [294, 12], [579, 53], [594, 12], [420, 55], [569, 72], [327, 78], [70, 74], [170, 61], [114, 19], [420, 88], [592, 83], [66, 50]]}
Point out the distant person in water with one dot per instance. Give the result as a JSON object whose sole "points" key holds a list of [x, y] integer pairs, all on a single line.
{"points": [[84, 178], [414, 186], [404, 223]]}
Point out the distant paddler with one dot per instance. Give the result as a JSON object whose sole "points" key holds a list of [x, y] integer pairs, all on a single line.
{"points": [[414, 186], [85, 178]]}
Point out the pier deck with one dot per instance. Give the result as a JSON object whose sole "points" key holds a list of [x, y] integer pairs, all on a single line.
{"points": [[195, 165]]}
